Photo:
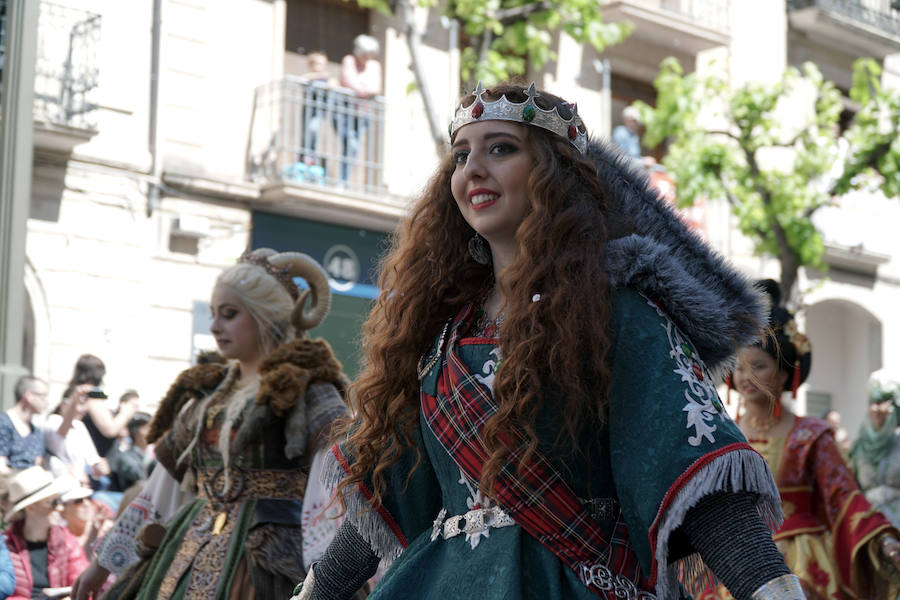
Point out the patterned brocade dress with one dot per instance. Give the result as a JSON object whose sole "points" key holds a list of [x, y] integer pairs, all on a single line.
{"points": [[240, 536], [599, 521], [209, 538], [827, 521]]}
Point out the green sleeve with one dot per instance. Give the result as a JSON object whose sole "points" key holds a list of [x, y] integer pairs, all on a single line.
{"points": [[671, 441]]}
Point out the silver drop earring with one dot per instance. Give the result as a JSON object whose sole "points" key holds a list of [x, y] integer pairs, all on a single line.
{"points": [[478, 250]]}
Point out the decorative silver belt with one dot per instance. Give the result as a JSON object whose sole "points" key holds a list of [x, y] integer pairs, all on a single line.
{"points": [[474, 521]]}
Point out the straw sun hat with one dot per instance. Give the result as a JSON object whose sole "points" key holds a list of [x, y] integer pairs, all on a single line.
{"points": [[30, 486]]}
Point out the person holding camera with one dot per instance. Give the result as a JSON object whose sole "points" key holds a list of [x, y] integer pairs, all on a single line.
{"points": [[69, 445], [104, 426]]}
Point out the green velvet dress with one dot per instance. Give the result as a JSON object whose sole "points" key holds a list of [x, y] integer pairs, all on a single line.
{"points": [[668, 443]]}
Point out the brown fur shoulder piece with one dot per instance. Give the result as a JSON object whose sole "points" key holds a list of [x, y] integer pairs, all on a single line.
{"points": [[291, 368], [191, 384]]}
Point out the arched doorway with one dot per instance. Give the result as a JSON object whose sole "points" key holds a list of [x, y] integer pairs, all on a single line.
{"points": [[28, 335], [36, 325], [847, 348]]}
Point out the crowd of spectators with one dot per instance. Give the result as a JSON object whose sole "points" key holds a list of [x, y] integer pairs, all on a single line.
{"points": [[62, 477]]}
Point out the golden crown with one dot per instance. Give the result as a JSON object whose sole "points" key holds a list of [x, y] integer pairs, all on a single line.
{"points": [[527, 112], [282, 275]]}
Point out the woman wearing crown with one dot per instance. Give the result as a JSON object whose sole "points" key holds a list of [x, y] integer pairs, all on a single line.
{"points": [[832, 538], [536, 417], [235, 439]]}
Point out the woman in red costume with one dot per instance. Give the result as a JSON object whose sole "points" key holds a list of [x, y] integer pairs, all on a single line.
{"points": [[833, 540]]}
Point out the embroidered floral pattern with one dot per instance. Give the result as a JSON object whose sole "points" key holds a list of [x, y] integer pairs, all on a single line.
{"points": [[475, 500], [703, 406], [117, 551], [489, 368], [819, 576], [603, 578]]}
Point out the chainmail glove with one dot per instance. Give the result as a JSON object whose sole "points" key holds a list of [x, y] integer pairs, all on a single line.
{"points": [[731, 537], [347, 564]]}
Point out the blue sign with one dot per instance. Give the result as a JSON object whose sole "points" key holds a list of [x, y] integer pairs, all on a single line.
{"points": [[347, 254]]}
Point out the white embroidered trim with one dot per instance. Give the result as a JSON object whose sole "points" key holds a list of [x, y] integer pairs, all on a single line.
{"points": [[703, 406], [603, 578], [475, 501], [489, 368]]}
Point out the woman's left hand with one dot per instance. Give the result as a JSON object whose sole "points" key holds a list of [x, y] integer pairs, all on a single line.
{"points": [[890, 547]]}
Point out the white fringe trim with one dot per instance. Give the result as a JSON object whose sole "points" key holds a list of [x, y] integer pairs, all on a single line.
{"points": [[736, 471], [368, 522]]}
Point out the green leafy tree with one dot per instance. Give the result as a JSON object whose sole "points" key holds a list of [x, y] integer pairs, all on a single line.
{"points": [[505, 36], [775, 172]]}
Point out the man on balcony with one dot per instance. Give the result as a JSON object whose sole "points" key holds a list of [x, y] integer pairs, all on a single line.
{"points": [[628, 135], [360, 72]]}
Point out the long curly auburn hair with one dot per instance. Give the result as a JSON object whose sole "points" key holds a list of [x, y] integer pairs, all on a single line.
{"points": [[557, 345]]}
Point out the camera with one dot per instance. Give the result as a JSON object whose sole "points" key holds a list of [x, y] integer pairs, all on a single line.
{"points": [[97, 393]]}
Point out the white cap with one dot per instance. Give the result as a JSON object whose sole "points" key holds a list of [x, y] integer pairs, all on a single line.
{"points": [[631, 112], [71, 489]]}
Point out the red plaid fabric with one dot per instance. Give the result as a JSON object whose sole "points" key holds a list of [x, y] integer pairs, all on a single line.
{"points": [[539, 499]]}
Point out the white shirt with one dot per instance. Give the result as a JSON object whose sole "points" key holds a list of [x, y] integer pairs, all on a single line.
{"points": [[75, 452]]}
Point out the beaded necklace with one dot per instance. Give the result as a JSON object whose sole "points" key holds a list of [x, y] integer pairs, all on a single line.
{"points": [[485, 327]]}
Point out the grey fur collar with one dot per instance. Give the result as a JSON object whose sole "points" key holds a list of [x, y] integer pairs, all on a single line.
{"points": [[652, 251]]}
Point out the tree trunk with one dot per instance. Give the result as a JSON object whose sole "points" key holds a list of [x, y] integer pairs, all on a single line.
{"points": [[787, 257], [789, 274], [407, 13]]}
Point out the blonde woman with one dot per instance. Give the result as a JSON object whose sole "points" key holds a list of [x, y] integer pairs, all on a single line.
{"points": [[236, 438]]}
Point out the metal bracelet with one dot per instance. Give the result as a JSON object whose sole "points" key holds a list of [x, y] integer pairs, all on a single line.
{"points": [[304, 591], [785, 587]]}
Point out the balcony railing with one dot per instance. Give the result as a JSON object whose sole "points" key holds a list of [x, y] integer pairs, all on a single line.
{"points": [[878, 14], [707, 13], [66, 72], [303, 132]]}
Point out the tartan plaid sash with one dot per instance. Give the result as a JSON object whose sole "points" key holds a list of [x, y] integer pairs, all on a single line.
{"points": [[539, 499]]}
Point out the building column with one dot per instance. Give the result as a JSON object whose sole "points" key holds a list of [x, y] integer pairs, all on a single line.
{"points": [[16, 159]]}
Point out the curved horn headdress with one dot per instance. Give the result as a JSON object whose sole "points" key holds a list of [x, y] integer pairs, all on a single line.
{"points": [[297, 264], [284, 266]]}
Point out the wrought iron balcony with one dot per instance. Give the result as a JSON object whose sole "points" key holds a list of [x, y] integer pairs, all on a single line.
{"points": [[873, 26], [308, 134], [66, 72]]}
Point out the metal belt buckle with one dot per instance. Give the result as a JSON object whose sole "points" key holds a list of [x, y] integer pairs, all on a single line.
{"points": [[603, 508], [451, 527], [475, 521]]}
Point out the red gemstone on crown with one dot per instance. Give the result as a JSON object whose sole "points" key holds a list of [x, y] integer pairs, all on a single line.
{"points": [[477, 110], [573, 132]]}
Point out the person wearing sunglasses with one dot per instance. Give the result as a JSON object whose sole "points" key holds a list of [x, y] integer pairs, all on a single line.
{"points": [[44, 554], [85, 518]]}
